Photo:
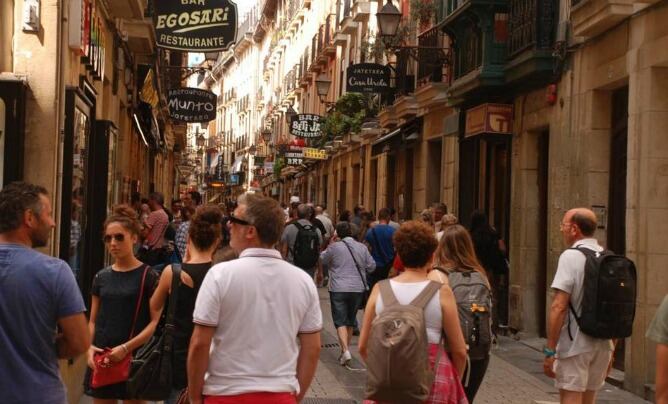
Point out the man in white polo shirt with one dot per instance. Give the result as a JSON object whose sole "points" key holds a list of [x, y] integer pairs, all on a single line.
{"points": [[249, 314], [582, 362]]}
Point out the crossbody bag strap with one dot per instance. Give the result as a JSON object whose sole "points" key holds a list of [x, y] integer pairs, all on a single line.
{"points": [[359, 270], [141, 295], [174, 295]]}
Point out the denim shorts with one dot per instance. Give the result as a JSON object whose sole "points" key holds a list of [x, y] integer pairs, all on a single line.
{"points": [[344, 307]]}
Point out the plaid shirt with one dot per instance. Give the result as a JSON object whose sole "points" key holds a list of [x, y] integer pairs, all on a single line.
{"points": [[181, 238]]}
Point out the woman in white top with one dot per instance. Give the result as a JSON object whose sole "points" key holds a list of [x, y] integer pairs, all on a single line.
{"points": [[415, 244]]}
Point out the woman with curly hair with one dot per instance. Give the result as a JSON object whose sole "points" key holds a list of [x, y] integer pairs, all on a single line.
{"points": [[415, 244]]}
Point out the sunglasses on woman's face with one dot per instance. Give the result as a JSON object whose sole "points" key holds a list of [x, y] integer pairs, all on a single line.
{"points": [[118, 237], [242, 222]]}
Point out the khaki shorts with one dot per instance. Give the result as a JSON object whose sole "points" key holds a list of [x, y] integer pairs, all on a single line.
{"points": [[582, 372]]}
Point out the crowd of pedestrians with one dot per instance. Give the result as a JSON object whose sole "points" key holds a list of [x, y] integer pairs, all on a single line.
{"points": [[246, 319]]}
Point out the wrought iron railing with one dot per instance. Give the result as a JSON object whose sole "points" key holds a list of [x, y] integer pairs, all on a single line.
{"points": [[531, 25], [431, 65], [468, 55]]}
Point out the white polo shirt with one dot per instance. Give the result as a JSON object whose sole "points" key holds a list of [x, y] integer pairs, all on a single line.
{"points": [[570, 279], [258, 304]]}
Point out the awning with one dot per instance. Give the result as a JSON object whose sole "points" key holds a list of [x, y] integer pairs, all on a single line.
{"points": [[398, 138], [236, 167]]}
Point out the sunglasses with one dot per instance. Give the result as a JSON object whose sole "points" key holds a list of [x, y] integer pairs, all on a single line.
{"points": [[118, 237], [242, 222]]}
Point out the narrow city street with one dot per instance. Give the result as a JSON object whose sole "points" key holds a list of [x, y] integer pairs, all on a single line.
{"points": [[514, 375]]}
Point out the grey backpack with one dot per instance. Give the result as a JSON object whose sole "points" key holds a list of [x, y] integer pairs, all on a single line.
{"points": [[474, 305]]}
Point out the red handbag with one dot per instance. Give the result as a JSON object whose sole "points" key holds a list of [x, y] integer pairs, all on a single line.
{"points": [[107, 372]]}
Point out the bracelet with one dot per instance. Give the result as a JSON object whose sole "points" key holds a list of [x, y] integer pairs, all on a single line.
{"points": [[549, 353], [125, 347]]}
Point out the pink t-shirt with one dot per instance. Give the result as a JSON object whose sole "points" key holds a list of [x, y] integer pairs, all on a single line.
{"points": [[157, 222]]}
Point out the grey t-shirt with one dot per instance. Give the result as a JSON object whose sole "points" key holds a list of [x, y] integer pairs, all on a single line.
{"points": [[658, 329], [290, 236], [35, 291]]}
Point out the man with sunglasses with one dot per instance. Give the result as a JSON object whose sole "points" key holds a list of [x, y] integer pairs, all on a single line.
{"points": [[38, 294], [243, 359]]}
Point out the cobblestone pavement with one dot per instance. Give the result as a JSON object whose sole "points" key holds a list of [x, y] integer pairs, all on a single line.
{"points": [[514, 375]]}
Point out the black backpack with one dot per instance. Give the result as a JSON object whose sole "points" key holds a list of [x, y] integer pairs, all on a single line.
{"points": [[609, 295], [306, 251]]}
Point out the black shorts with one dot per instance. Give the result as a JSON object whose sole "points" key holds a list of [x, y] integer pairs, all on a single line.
{"points": [[344, 307]]}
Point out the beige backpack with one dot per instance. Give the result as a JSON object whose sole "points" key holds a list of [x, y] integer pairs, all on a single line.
{"points": [[398, 368]]}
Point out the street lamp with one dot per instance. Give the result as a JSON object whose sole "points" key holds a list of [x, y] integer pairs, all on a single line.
{"points": [[266, 135], [290, 113], [323, 83], [389, 18]]}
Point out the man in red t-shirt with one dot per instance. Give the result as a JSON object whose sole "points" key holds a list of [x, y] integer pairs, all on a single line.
{"points": [[154, 230]]}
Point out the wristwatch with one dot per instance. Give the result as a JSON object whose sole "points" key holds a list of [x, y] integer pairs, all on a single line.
{"points": [[549, 353]]}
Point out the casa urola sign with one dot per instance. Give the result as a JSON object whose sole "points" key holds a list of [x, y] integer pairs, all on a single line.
{"points": [[195, 25], [368, 78]]}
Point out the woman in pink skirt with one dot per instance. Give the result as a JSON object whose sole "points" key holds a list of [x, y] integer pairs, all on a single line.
{"points": [[415, 245]]}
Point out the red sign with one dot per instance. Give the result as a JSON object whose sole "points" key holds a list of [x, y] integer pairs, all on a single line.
{"points": [[489, 118]]}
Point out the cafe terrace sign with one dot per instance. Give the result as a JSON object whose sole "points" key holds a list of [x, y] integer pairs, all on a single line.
{"points": [[191, 105], [195, 25], [306, 126], [368, 78]]}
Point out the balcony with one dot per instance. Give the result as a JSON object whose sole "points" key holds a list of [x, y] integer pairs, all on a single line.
{"points": [[348, 25], [479, 33], [532, 24], [591, 17], [141, 35], [434, 74], [361, 10]]}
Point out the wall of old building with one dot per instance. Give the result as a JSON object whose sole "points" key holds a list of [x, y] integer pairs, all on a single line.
{"points": [[6, 35]]}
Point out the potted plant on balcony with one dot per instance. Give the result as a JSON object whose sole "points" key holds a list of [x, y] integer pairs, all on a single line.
{"points": [[347, 116]]}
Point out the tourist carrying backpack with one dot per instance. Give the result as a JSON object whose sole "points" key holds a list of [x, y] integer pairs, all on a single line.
{"points": [[406, 321], [301, 241], [457, 265], [593, 305]]}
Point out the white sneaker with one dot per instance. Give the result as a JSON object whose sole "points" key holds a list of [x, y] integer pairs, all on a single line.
{"points": [[345, 358]]}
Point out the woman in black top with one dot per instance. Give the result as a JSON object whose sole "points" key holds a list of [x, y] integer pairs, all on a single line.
{"points": [[491, 251], [115, 293], [204, 235]]}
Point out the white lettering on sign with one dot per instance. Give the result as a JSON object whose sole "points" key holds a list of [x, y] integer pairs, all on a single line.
{"points": [[193, 21], [367, 82], [191, 105]]}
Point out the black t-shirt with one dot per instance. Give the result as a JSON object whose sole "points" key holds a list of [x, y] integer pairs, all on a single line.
{"points": [[486, 244], [118, 293], [183, 319], [317, 223]]}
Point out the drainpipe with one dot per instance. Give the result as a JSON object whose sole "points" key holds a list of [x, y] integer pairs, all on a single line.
{"points": [[57, 181]]}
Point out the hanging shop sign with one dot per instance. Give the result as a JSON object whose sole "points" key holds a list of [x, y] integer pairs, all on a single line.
{"points": [[191, 105], [368, 78], [489, 118], [195, 25], [315, 154], [268, 167], [306, 126], [234, 179], [87, 37], [294, 155]]}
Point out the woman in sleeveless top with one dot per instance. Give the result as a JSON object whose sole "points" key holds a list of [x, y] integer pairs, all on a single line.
{"points": [[204, 234], [456, 253], [415, 244], [115, 292]]}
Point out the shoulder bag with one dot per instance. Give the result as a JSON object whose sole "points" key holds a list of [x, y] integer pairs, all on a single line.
{"points": [[359, 270], [107, 372], [151, 370]]}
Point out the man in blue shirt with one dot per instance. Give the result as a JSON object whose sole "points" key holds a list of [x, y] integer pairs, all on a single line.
{"points": [[379, 239], [38, 293]]}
